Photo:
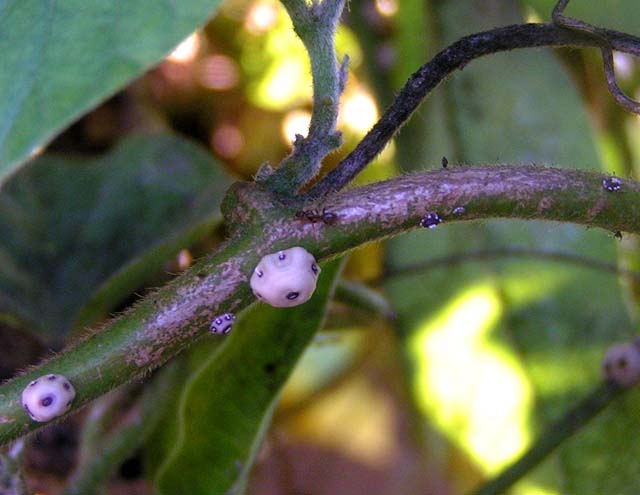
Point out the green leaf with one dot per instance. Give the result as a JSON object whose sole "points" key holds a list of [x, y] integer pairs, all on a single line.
{"points": [[228, 401], [62, 58], [497, 348], [78, 235]]}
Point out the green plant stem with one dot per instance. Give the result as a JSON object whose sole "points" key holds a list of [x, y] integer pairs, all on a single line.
{"points": [[552, 438], [454, 57], [170, 319], [359, 296], [315, 24], [511, 252]]}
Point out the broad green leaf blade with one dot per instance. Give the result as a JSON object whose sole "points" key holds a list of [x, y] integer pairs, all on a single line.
{"points": [[227, 405], [61, 58], [79, 235], [497, 347]]}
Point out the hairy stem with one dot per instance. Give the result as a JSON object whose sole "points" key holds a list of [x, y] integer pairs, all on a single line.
{"points": [[167, 321], [315, 25], [454, 57]]}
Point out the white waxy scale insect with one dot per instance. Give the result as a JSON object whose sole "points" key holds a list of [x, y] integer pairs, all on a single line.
{"points": [[48, 397], [286, 278]]}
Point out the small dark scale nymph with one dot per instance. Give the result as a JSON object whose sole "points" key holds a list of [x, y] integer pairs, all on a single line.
{"points": [[431, 220], [445, 162], [611, 184]]}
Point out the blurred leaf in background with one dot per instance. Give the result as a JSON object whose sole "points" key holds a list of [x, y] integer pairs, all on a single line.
{"points": [[60, 59], [498, 350], [77, 236]]}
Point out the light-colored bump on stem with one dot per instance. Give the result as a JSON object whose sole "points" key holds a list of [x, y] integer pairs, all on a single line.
{"points": [[169, 320]]}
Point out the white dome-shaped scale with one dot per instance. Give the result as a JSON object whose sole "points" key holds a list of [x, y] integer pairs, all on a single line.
{"points": [[48, 397], [621, 364], [286, 278]]}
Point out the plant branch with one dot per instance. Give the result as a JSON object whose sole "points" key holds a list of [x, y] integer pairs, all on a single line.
{"points": [[170, 319], [457, 56], [361, 297], [553, 437], [315, 24], [607, 54], [629, 104]]}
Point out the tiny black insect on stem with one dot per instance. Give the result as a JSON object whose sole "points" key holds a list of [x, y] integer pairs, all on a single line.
{"points": [[324, 216], [445, 162], [612, 184]]}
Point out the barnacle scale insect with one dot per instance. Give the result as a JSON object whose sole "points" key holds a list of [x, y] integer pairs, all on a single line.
{"points": [[611, 184], [48, 397], [286, 278]]}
